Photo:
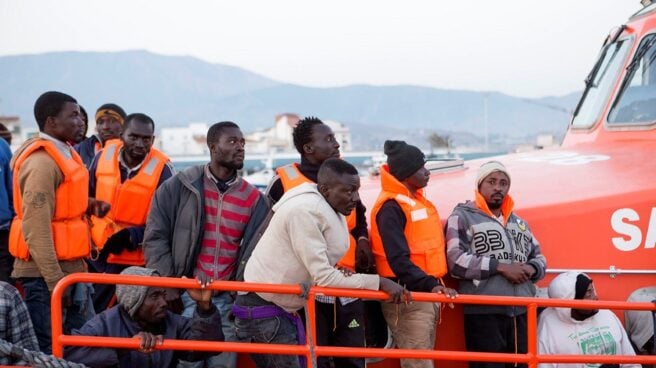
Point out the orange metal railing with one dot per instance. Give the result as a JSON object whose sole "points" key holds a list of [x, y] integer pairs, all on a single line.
{"points": [[532, 358]]}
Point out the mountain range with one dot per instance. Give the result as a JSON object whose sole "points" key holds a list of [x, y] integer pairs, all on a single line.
{"points": [[176, 90]]}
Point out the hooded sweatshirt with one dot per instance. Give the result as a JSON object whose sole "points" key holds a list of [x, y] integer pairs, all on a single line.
{"points": [[559, 333], [477, 243], [303, 241]]}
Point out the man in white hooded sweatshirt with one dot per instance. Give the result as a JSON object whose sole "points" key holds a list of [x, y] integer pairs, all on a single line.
{"points": [[580, 331]]}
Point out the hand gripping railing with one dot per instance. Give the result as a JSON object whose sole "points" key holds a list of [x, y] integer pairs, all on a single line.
{"points": [[532, 358]]}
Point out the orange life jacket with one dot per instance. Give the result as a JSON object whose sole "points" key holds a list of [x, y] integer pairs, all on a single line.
{"points": [[423, 228], [70, 230], [130, 200], [290, 177]]}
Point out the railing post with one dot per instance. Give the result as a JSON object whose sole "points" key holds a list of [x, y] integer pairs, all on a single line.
{"points": [[311, 329], [532, 326], [56, 320]]}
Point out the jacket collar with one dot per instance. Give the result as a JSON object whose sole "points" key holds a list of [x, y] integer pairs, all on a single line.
{"points": [[506, 206]]}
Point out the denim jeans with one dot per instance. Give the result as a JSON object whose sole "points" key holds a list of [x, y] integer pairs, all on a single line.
{"points": [[276, 330], [223, 302], [37, 299]]}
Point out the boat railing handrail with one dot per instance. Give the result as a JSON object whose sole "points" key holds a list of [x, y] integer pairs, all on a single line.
{"points": [[311, 350]]}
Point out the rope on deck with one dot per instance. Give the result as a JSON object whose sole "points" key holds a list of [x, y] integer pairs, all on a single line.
{"points": [[35, 358]]}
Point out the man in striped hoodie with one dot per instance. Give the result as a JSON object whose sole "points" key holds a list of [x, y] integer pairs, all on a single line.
{"points": [[493, 252], [199, 219]]}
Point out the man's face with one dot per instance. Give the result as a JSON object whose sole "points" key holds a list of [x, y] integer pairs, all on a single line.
{"points": [[108, 128], [228, 151], [79, 136], [419, 179], [153, 309], [581, 314], [323, 144], [137, 140], [342, 192], [494, 189], [65, 125]]}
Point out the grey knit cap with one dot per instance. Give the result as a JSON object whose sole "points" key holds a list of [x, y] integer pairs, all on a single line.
{"points": [[132, 296]]}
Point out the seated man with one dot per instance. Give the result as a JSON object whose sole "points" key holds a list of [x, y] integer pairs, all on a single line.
{"points": [[16, 326], [141, 312], [640, 324], [580, 331]]}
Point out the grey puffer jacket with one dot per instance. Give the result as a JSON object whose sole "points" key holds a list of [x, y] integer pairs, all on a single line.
{"points": [[174, 228], [477, 243]]}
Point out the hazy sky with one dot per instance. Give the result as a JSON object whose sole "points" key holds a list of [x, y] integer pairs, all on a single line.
{"points": [[519, 47]]}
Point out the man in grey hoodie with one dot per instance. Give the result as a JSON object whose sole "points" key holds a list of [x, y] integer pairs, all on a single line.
{"points": [[493, 252]]}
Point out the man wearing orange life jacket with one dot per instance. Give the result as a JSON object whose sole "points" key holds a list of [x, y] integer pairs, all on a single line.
{"points": [[315, 141], [493, 252], [408, 246], [109, 124], [49, 235], [125, 174]]}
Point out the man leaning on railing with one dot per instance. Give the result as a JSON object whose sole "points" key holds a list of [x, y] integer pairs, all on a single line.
{"points": [[142, 313]]}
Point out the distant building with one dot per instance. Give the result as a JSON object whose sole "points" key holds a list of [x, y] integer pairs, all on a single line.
{"points": [[184, 141], [191, 140], [279, 137], [13, 125]]}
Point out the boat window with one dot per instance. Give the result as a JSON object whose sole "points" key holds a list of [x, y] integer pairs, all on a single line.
{"points": [[599, 83], [636, 101]]}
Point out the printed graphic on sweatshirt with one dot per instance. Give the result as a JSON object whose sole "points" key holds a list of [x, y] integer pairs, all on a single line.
{"points": [[595, 341], [489, 239]]}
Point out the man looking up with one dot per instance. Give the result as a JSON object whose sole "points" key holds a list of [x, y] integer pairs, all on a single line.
{"points": [[125, 174], [109, 124], [493, 252], [339, 323], [141, 313], [306, 237], [49, 235], [200, 220], [408, 245]]}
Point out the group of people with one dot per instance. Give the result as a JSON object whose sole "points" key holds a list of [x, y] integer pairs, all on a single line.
{"points": [[114, 204]]}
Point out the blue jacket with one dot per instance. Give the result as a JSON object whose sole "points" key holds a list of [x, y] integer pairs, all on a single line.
{"points": [[6, 202], [116, 322], [87, 150]]}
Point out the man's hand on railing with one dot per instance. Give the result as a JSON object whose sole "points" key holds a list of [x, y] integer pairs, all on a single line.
{"points": [[397, 293], [202, 296], [148, 341], [448, 292]]}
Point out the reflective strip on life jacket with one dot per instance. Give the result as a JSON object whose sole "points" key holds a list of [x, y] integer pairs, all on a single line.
{"points": [[423, 229], [70, 231]]}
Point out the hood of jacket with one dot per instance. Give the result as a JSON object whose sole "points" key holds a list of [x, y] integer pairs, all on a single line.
{"points": [[564, 287], [300, 190]]}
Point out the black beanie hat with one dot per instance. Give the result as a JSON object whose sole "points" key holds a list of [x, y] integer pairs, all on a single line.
{"points": [[403, 159], [582, 284]]}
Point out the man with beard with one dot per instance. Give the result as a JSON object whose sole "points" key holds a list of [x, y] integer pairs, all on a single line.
{"points": [[570, 331], [109, 124], [199, 218], [125, 174], [493, 252], [340, 321]]}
